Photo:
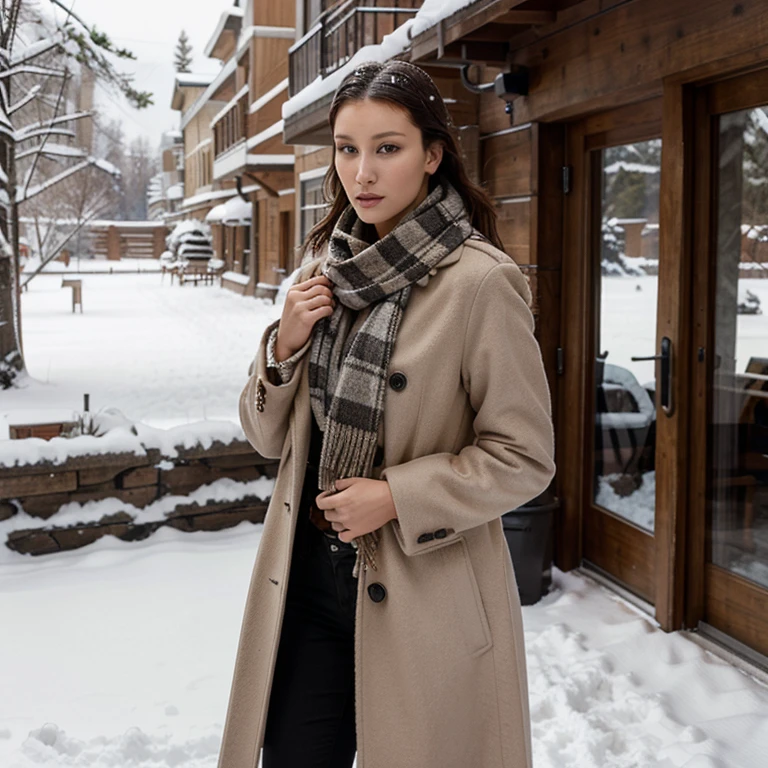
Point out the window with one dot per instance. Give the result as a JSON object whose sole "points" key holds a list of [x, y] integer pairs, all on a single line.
{"points": [[313, 208]]}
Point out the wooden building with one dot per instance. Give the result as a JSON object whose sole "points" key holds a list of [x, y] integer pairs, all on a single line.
{"points": [[248, 150], [625, 143], [238, 174]]}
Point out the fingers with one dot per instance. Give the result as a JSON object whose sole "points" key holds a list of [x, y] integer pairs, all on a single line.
{"points": [[320, 280], [313, 290], [323, 501]]}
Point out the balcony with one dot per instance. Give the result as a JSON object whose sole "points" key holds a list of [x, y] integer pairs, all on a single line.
{"points": [[230, 126], [340, 32]]}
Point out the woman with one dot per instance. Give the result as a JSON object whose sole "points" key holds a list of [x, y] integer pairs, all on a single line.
{"points": [[404, 392]]}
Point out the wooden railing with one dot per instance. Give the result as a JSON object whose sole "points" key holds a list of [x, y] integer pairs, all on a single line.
{"points": [[231, 127], [340, 32]]}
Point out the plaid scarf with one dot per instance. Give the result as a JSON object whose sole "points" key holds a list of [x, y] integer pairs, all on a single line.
{"points": [[348, 376]]}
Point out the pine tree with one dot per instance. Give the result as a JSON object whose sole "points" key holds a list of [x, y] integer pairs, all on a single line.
{"points": [[183, 56]]}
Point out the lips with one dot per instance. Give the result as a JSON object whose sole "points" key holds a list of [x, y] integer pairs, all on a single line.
{"points": [[368, 201]]}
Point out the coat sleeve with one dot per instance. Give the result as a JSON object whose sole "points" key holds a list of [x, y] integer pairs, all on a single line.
{"points": [[511, 459], [266, 401]]}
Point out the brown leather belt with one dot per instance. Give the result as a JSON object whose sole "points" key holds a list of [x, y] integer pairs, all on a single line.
{"points": [[318, 518]]}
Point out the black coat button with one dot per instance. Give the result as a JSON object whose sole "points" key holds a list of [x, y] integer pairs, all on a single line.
{"points": [[441, 534], [425, 537], [377, 592], [398, 381], [378, 457]]}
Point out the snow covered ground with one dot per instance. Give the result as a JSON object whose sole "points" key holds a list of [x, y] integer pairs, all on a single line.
{"points": [[161, 354], [77, 265], [121, 654]]}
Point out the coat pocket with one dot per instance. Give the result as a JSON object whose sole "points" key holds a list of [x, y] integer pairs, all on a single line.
{"points": [[471, 619]]}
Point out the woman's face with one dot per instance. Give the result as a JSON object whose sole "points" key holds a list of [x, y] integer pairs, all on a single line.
{"points": [[381, 161]]}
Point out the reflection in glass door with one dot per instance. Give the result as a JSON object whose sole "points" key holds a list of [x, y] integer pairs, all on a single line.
{"points": [[626, 305], [738, 456]]}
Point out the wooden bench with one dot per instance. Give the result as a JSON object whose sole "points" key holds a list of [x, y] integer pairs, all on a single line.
{"points": [[77, 292], [196, 272]]}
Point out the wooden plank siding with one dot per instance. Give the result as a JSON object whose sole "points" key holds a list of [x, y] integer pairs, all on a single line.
{"points": [[622, 54], [270, 67]]}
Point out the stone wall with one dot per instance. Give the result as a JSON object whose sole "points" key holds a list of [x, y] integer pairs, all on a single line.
{"points": [[40, 490]]}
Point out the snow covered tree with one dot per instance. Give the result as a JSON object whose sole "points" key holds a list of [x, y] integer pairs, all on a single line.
{"points": [[40, 55], [183, 57]]}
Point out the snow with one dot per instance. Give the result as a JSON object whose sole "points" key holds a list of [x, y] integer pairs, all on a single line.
{"points": [[51, 148], [175, 192], [90, 512], [122, 654], [78, 266], [185, 79], [623, 165], [28, 52], [236, 277], [163, 355], [104, 165], [205, 197], [434, 11], [237, 212], [216, 214], [390, 46]]}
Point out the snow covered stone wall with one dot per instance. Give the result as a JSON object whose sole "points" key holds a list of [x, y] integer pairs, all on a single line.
{"points": [[48, 507]]}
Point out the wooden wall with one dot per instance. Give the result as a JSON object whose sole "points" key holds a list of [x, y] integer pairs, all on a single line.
{"points": [[269, 65]]}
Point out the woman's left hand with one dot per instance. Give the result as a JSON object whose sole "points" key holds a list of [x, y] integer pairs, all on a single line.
{"points": [[361, 505]]}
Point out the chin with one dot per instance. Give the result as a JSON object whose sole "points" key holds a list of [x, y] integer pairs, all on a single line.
{"points": [[372, 215]]}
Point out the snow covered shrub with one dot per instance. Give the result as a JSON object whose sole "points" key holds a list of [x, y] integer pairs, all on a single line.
{"points": [[190, 239]]}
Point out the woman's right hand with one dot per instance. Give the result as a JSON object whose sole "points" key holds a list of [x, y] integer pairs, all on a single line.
{"points": [[305, 304]]}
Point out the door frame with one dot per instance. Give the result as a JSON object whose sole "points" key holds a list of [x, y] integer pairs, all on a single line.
{"points": [[652, 118], [732, 604]]}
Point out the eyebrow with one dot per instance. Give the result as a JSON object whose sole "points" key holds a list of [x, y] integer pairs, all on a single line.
{"points": [[377, 136]]}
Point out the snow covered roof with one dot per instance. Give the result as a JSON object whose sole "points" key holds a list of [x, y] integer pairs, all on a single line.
{"points": [[434, 11], [231, 19], [225, 72], [206, 197], [237, 212], [194, 80], [216, 214]]}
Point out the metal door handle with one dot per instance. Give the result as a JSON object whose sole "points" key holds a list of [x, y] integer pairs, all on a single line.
{"points": [[666, 373]]}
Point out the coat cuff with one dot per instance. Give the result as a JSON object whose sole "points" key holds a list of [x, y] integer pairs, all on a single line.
{"points": [[285, 368], [415, 531]]}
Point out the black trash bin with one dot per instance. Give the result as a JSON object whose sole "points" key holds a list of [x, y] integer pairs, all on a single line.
{"points": [[528, 531]]}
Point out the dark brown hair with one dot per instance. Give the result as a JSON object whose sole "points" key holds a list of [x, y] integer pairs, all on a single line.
{"points": [[410, 88]]}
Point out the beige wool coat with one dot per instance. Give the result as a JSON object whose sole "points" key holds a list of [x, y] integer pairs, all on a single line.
{"points": [[440, 673]]}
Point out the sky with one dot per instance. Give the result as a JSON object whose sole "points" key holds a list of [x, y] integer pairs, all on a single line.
{"points": [[150, 28]]}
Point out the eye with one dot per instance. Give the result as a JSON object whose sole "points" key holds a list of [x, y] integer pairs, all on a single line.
{"points": [[388, 149], [344, 147]]}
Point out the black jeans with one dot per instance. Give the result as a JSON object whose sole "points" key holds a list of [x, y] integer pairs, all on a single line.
{"points": [[311, 718]]}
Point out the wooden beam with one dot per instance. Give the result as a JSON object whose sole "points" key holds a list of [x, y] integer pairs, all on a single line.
{"points": [[493, 33], [526, 18], [672, 466], [272, 181]]}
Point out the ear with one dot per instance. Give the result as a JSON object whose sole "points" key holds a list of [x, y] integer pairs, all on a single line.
{"points": [[434, 157]]}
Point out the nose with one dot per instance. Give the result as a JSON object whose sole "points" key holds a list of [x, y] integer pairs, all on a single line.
{"points": [[366, 173]]}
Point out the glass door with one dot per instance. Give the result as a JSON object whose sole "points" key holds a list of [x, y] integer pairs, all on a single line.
{"points": [[732, 356], [611, 290]]}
